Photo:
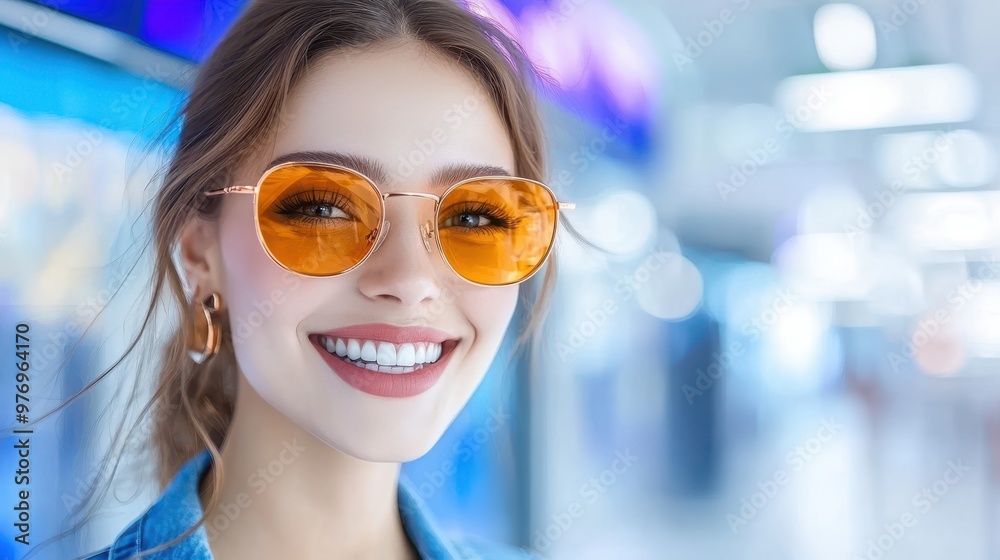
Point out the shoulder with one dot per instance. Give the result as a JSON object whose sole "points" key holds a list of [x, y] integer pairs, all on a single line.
{"points": [[479, 549], [168, 518], [432, 542], [101, 555], [125, 545]]}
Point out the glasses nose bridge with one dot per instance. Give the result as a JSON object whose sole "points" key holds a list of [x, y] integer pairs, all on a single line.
{"points": [[429, 196], [426, 229]]}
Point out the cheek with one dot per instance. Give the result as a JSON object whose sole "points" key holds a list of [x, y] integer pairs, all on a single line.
{"points": [[261, 296], [249, 273], [489, 310]]}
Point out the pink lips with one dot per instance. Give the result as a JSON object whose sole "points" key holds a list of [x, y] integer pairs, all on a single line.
{"points": [[388, 384]]}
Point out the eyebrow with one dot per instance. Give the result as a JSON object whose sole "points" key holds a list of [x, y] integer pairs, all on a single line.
{"points": [[374, 169]]}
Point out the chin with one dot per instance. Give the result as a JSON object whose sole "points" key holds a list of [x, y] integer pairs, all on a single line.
{"points": [[391, 449], [383, 430]]}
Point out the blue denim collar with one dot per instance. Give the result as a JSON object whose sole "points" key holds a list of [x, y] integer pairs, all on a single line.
{"points": [[179, 508]]}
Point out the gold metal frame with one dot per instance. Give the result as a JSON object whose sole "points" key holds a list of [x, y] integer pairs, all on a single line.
{"points": [[428, 229], [210, 304]]}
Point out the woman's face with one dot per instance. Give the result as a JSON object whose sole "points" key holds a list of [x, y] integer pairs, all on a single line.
{"points": [[427, 124]]}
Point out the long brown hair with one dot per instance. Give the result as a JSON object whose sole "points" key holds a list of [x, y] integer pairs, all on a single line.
{"points": [[235, 104]]}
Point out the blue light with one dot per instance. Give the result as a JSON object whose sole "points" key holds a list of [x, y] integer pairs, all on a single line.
{"points": [[188, 29]]}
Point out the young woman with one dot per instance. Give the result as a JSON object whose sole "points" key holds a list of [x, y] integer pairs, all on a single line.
{"points": [[354, 201]]}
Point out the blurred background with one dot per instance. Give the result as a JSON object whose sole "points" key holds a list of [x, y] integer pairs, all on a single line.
{"points": [[789, 352]]}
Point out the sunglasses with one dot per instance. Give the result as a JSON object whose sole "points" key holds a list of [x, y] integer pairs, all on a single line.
{"points": [[321, 219]]}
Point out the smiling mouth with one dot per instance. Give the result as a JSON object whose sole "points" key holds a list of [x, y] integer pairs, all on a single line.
{"points": [[387, 360], [385, 357]]}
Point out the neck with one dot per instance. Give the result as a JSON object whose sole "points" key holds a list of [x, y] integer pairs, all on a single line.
{"points": [[286, 494]]}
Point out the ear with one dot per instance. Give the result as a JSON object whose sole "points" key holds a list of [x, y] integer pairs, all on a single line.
{"points": [[199, 253]]}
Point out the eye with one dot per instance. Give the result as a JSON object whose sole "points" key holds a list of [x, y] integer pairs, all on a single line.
{"points": [[316, 207], [479, 217], [467, 220], [323, 211]]}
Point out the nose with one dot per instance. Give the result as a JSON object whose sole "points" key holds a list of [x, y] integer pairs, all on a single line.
{"points": [[401, 268]]}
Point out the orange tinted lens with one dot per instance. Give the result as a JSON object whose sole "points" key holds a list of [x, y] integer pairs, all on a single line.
{"points": [[497, 231], [317, 220]]}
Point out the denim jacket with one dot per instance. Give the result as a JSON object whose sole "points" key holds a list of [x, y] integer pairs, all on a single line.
{"points": [[178, 508]]}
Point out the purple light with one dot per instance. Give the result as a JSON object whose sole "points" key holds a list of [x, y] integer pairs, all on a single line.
{"points": [[590, 49], [559, 44], [495, 11], [623, 58], [175, 26]]}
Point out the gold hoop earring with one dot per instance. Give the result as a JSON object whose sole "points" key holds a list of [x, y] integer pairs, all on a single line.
{"points": [[206, 328]]}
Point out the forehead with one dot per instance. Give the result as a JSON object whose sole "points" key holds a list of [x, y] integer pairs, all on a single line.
{"points": [[404, 109]]}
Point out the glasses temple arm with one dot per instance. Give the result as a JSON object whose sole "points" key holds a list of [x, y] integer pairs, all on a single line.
{"points": [[237, 189]]}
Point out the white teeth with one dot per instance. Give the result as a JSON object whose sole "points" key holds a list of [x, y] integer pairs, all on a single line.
{"points": [[406, 355], [383, 356], [386, 354], [353, 349], [368, 351]]}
